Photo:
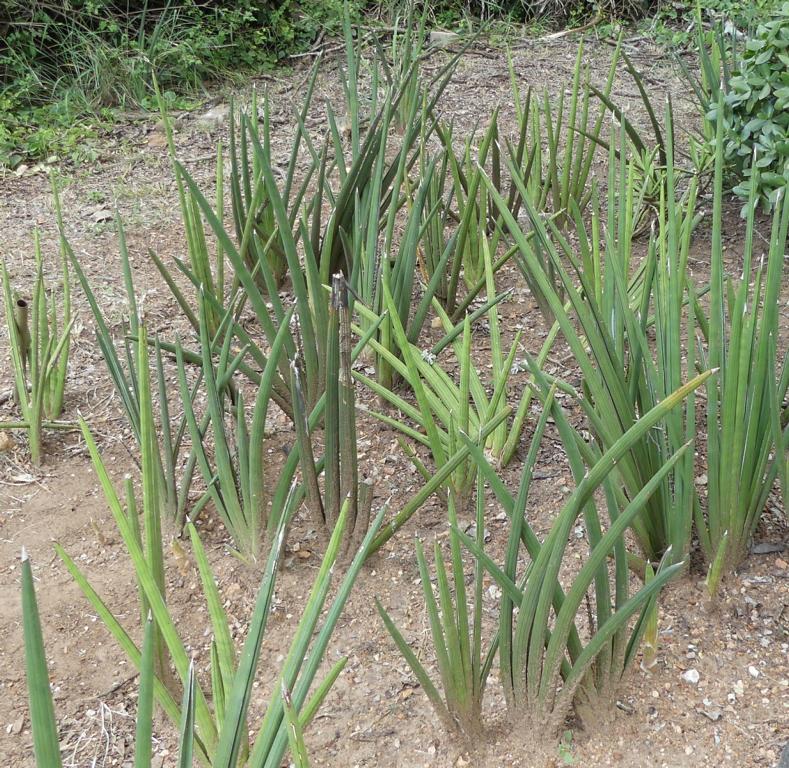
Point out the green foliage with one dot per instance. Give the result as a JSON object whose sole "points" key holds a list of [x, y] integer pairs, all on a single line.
{"points": [[756, 113], [553, 12], [342, 484], [675, 24], [566, 749], [39, 349], [219, 716], [61, 63], [746, 440], [381, 199], [56, 129], [110, 48], [457, 640]]}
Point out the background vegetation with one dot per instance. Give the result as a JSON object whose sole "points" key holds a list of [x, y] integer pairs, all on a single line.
{"points": [[62, 60], [66, 64]]}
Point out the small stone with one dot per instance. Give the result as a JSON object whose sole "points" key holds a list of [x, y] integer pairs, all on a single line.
{"points": [[101, 215], [441, 39], [782, 564], [494, 592], [739, 688], [214, 117], [6, 441], [691, 676], [753, 672]]}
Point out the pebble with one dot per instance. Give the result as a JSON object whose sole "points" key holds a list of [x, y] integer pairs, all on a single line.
{"points": [[442, 39], [16, 727], [753, 672], [691, 676], [214, 117]]}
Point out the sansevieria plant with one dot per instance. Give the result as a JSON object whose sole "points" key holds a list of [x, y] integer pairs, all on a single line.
{"points": [[236, 471], [138, 375], [39, 343], [606, 306], [546, 664], [342, 483], [443, 407], [46, 745], [547, 659], [456, 631], [746, 440], [220, 712]]}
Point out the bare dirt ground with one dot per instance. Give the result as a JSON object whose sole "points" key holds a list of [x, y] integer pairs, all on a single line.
{"points": [[738, 712]]}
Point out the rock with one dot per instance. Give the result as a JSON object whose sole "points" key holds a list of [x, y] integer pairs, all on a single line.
{"points": [[214, 117], [442, 39], [157, 140], [691, 676], [783, 762], [767, 548], [101, 215], [6, 441]]}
